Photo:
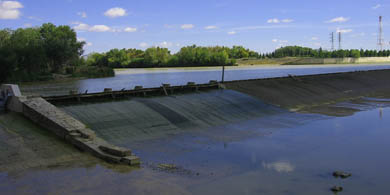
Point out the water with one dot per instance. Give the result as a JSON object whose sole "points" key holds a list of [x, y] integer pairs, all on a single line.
{"points": [[128, 79], [271, 152]]}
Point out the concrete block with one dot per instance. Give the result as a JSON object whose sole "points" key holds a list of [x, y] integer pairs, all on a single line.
{"points": [[131, 160], [116, 151], [11, 90]]}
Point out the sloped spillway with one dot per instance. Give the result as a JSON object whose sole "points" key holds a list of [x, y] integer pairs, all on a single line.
{"points": [[148, 118]]}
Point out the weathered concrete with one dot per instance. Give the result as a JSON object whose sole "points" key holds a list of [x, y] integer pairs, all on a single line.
{"points": [[138, 91], [302, 61], [66, 127], [298, 92]]}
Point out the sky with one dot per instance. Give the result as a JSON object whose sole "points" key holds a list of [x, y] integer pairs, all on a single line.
{"points": [[260, 25]]}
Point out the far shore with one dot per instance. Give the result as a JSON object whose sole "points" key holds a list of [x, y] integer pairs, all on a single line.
{"points": [[239, 67]]}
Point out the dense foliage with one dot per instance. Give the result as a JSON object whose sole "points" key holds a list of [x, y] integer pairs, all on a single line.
{"points": [[162, 57], [35, 53], [28, 54], [296, 51]]}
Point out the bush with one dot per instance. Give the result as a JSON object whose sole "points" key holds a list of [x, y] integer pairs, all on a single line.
{"points": [[93, 72]]}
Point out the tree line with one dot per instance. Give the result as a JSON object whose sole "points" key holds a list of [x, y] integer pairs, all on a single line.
{"points": [[297, 51], [162, 57], [30, 54]]}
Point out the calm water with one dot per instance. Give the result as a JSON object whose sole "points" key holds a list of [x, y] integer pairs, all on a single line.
{"points": [[276, 153], [130, 78]]}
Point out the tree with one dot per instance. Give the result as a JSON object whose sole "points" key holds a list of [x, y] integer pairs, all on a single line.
{"points": [[61, 45]]}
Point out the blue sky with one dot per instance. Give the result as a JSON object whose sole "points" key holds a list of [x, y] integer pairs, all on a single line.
{"points": [[259, 25]]}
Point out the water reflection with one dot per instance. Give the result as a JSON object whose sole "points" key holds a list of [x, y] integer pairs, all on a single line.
{"points": [[280, 166]]}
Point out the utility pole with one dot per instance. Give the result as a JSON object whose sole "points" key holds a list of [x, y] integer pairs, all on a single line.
{"points": [[332, 41], [223, 74], [380, 35], [339, 40]]}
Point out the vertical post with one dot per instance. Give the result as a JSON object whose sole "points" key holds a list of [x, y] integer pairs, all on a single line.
{"points": [[223, 74], [340, 40]]}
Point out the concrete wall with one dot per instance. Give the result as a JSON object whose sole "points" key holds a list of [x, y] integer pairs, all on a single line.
{"points": [[340, 60], [66, 127]]}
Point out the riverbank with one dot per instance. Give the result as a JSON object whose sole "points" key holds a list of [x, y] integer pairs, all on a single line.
{"points": [[312, 61]]}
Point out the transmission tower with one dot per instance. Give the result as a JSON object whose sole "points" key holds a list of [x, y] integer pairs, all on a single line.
{"points": [[332, 41], [380, 35], [339, 40]]}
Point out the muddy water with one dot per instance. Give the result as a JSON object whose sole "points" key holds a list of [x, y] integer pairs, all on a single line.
{"points": [[130, 78], [277, 152]]}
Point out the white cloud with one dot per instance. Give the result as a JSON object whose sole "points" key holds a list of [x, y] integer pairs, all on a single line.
{"points": [[100, 28], [143, 45], [89, 44], [338, 20], [377, 6], [314, 38], [210, 27], [10, 10], [344, 30], [273, 20], [115, 12], [166, 44], [130, 29], [187, 26], [82, 14], [81, 27], [277, 21], [232, 32], [95, 28], [287, 20], [279, 41]]}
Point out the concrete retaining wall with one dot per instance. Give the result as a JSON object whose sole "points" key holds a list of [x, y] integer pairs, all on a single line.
{"points": [[304, 61], [68, 128]]}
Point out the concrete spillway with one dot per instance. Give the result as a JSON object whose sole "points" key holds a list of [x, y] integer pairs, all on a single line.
{"points": [[297, 92], [147, 118], [139, 114]]}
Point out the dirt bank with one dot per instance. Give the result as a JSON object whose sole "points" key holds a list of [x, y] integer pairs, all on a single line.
{"points": [[298, 92]]}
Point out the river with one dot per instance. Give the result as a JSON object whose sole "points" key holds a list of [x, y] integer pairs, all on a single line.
{"points": [[129, 78], [215, 142]]}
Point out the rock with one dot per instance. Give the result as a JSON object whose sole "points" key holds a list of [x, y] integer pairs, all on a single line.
{"points": [[336, 189], [341, 174]]}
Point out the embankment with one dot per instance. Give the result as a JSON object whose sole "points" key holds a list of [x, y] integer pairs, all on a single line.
{"points": [[309, 61], [297, 92]]}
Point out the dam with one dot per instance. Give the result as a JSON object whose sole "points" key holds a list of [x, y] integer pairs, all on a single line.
{"points": [[208, 129]]}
